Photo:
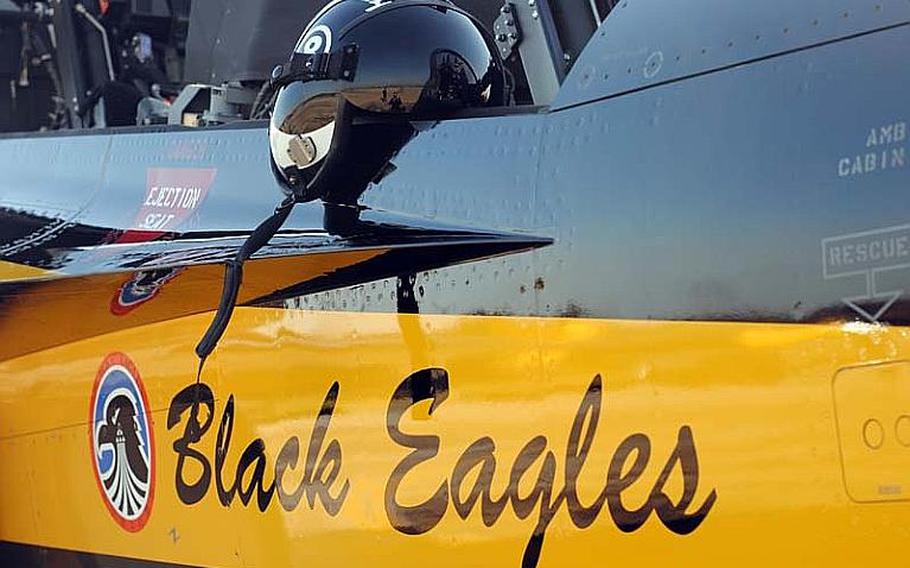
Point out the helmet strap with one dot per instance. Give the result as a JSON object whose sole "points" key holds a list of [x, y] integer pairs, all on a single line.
{"points": [[233, 278], [336, 66]]}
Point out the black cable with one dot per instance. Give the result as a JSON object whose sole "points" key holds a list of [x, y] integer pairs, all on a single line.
{"points": [[59, 118], [233, 278]]}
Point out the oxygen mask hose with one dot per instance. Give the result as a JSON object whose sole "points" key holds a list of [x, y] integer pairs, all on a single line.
{"points": [[233, 278]]}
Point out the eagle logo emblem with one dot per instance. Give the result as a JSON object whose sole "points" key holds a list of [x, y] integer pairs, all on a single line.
{"points": [[140, 288], [122, 442]]}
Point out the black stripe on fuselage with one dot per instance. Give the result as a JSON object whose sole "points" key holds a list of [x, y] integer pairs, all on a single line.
{"points": [[32, 556]]}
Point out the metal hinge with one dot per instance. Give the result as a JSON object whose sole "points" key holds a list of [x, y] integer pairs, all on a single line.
{"points": [[506, 31]]}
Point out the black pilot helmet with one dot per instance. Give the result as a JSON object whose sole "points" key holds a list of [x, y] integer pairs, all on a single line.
{"points": [[360, 73]]}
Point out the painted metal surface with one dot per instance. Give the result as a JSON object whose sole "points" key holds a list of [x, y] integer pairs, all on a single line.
{"points": [[514, 411], [645, 43], [743, 453], [706, 199], [710, 198], [179, 204], [155, 195]]}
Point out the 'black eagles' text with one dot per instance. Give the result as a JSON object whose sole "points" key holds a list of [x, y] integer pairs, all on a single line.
{"points": [[321, 482]]}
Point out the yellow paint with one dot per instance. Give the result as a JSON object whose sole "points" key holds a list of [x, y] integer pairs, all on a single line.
{"points": [[31, 320], [873, 413], [759, 399], [10, 271]]}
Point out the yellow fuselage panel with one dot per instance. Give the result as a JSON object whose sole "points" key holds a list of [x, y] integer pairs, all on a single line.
{"points": [[587, 441], [10, 271]]}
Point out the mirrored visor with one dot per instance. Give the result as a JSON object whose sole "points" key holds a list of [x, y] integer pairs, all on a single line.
{"points": [[304, 108]]}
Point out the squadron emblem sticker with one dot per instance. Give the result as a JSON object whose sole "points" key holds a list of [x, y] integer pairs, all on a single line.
{"points": [[140, 288], [122, 442]]}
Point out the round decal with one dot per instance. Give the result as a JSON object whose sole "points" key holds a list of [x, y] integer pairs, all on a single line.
{"points": [[140, 288], [122, 442], [318, 40]]}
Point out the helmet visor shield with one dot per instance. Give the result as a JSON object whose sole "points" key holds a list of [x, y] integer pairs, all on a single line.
{"points": [[304, 107], [303, 125], [301, 151]]}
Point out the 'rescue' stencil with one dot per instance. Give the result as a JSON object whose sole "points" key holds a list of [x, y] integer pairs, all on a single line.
{"points": [[868, 254]]}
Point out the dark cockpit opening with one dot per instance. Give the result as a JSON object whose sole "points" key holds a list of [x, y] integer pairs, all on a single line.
{"points": [[98, 64]]}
